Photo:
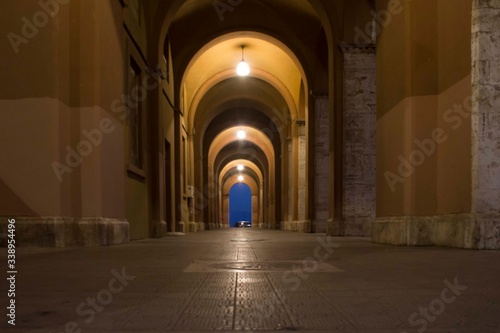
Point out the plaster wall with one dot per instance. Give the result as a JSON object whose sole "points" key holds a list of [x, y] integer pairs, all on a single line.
{"points": [[63, 143], [424, 126]]}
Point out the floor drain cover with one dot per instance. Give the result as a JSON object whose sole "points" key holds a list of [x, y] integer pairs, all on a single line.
{"points": [[246, 240], [257, 266], [247, 266], [286, 328]]}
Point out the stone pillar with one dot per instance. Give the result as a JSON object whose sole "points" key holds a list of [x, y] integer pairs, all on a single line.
{"points": [[220, 216], [302, 176], [261, 205], [290, 179], [485, 125], [255, 209], [211, 190], [288, 201], [359, 139], [225, 208], [322, 160]]}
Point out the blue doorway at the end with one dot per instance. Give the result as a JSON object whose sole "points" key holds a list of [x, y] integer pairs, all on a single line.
{"points": [[240, 203]]}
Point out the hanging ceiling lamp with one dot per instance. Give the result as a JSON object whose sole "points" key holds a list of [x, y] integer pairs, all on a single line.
{"points": [[241, 134], [243, 68]]}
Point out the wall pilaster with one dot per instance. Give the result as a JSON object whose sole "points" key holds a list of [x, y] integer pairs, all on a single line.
{"points": [[302, 184], [321, 162], [359, 139], [486, 123]]}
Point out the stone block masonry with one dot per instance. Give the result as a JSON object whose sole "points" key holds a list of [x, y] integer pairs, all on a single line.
{"points": [[359, 139]]}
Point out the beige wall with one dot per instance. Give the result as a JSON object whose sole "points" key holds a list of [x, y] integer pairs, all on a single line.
{"points": [[63, 81], [455, 88], [423, 65]]}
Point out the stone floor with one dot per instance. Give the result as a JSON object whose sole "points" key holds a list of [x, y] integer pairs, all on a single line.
{"points": [[255, 280]]}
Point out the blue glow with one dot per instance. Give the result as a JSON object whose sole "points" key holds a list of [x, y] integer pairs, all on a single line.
{"points": [[240, 203]]}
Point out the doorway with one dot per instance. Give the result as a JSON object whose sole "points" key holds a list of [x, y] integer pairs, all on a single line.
{"points": [[240, 204]]}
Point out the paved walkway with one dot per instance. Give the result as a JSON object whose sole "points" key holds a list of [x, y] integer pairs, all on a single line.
{"points": [[255, 280]]}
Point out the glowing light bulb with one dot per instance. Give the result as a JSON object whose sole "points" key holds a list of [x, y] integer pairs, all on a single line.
{"points": [[243, 69], [241, 167], [240, 178], [241, 134]]}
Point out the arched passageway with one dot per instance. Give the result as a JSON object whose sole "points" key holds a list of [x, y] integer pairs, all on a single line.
{"points": [[344, 129]]}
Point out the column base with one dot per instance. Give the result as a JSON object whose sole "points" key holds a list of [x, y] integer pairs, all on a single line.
{"points": [[286, 225], [68, 231], [319, 227], [175, 234], [470, 231], [200, 226], [299, 226], [161, 229], [333, 227], [357, 226], [192, 227]]}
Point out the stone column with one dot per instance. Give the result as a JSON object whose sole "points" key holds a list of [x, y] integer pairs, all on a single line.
{"points": [[288, 184], [220, 216], [255, 209], [261, 205], [485, 125], [210, 188], [321, 162], [225, 208], [302, 176], [290, 179], [359, 139], [189, 183]]}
